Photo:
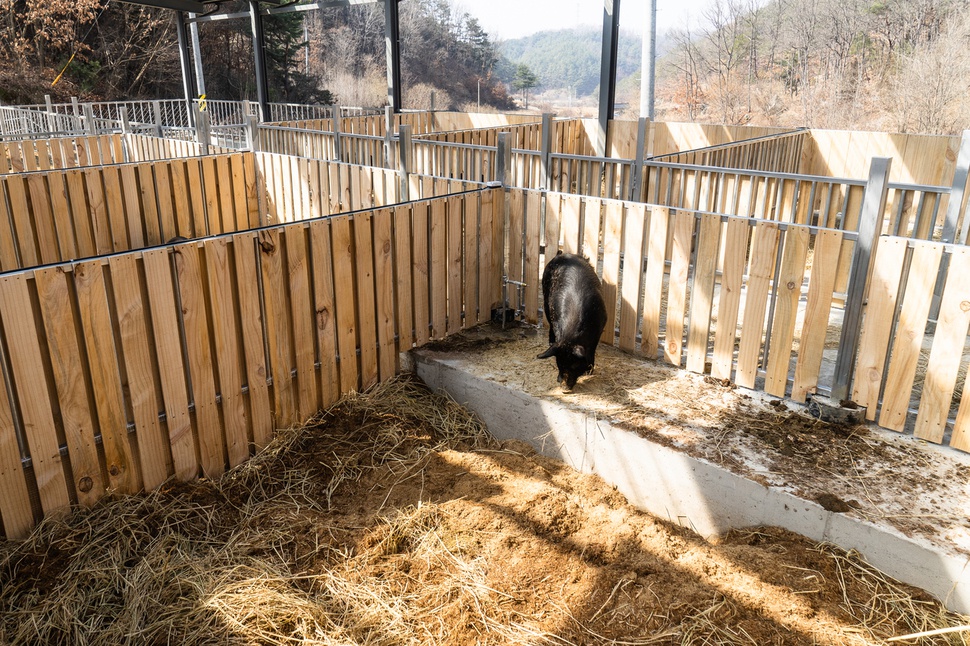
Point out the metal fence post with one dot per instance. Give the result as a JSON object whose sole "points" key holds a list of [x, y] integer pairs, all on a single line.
{"points": [[89, 119], [252, 132], [404, 160], [202, 131], [157, 112], [51, 120], [545, 154], [503, 159], [338, 151], [125, 131], [637, 180], [388, 131], [870, 226]]}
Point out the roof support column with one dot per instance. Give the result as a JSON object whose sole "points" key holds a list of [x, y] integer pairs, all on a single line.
{"points": [[392, 42], [187, 81], [611, 33], [259, 55], [196, 55]]}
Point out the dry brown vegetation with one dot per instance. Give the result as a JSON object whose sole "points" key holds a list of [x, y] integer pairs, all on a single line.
{"points": [[394, 518]]}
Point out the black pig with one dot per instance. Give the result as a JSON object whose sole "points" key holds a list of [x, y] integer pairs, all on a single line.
{"points": [[573, 300]]}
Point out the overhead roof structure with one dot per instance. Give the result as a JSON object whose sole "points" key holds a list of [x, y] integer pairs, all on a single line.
{"points": [[260, 8]]}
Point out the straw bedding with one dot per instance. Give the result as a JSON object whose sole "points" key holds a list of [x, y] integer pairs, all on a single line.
{"points": [[394, 518]]}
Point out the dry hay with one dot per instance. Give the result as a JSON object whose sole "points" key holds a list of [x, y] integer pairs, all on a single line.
{"points": [[394, 518]]}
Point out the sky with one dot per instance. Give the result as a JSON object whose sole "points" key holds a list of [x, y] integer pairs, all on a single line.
{"points": [[508, 19]]}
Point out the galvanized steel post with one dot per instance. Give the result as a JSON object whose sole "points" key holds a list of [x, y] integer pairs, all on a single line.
{"points": [[545, 154], [404, 160], [870, 226]]}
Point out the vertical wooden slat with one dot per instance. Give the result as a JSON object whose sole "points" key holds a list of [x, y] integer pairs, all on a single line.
{"points": [[571, 205], [591, 229], [947, 352], [421, 273], [252, 190], [653, 291], [553, 224], [253, 337], [115, 207], [489, 284], [195, 321], [24, 353], [908, 339], [165, 323], [821, 288], [227, 208], [788, 291], [384, 279], [366, 307], [239, 193], [471, 268], [181, 199], [43, 218], [153, 447], [343, 270], [133, 211], [632, 274], [324, 314], [166, 205], [92, 296], [763, 251], [439, 268], [532, 269], [702, 292], [677, 290], [455, 239], [228, 353], [146, 182], [613, 228], [22, 220], [298, 274], [877, 326], [57, 313], [516, 199], [277, 326], [9, 259], [15, 507], [213, 212], [404, 293], [732, 274]]}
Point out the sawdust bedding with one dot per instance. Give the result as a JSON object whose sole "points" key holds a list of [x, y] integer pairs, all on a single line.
{"points": [[394, 518]]}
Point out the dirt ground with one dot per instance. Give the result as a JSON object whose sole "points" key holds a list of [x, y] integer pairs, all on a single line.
{"points": [[917, 488], [396, 519]]}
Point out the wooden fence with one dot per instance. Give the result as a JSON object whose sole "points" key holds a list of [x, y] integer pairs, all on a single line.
{"points": [[907, 363], [174, 361], [60, 153]]}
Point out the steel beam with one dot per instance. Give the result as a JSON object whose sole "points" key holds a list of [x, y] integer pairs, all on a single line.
{"points": [[312, 6], [611, 34], [259, 56], [192, 6], [392, 46], [185, 63]]}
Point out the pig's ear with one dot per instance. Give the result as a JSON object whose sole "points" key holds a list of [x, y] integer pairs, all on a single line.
{"points": [[579, 352], [550, 352]]}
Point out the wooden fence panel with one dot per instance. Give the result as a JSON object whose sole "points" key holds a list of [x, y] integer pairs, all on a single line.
{"points": [[909, 336], [729, 303], [631, 287], [344, 294], [787, 292], [683, 233], [301, 316], [278, 332], [702, 292], [384, 280], [531, 257], [764, 248], [366, 300], [612, 230], [324, 311], [654, 281]]}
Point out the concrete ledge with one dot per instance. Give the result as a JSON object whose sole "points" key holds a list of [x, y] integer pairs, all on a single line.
{"points": [[684, 489]]}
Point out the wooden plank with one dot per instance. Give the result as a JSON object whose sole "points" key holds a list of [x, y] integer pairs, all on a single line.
{"points": [[237, 172], [43, 218], [946, 354], [366, 307], [344, 295], [195, 322], [591, 228], [9, 259], [98, 211], [213, 212], [421, 273], [252, 335], [131, 305], [68, 369], [454, 256], [732, 275], [764, 248], [821, 289], [22, 221], [106, 386], [181, 200], [516, 224], [298, 282], [252, 190], [788, 291], [653, 290], [877, 326], [630, 282], [439, 268], [229, 354], [15, 507], [171, 367], [278, 333], [907, 341], [227, 208], [132, 202], [324, 311], [612, 230], [677, 289], [533, 271], [153, 228], [403, 288], [571, 205], [384, 279], [489, 284], [115, 207], [553, 224], [61, 211], [702, 292], [166, 205], [471, 269]]}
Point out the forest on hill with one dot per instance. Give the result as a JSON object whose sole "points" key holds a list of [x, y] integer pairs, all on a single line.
{"points": [[897, 65]]}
